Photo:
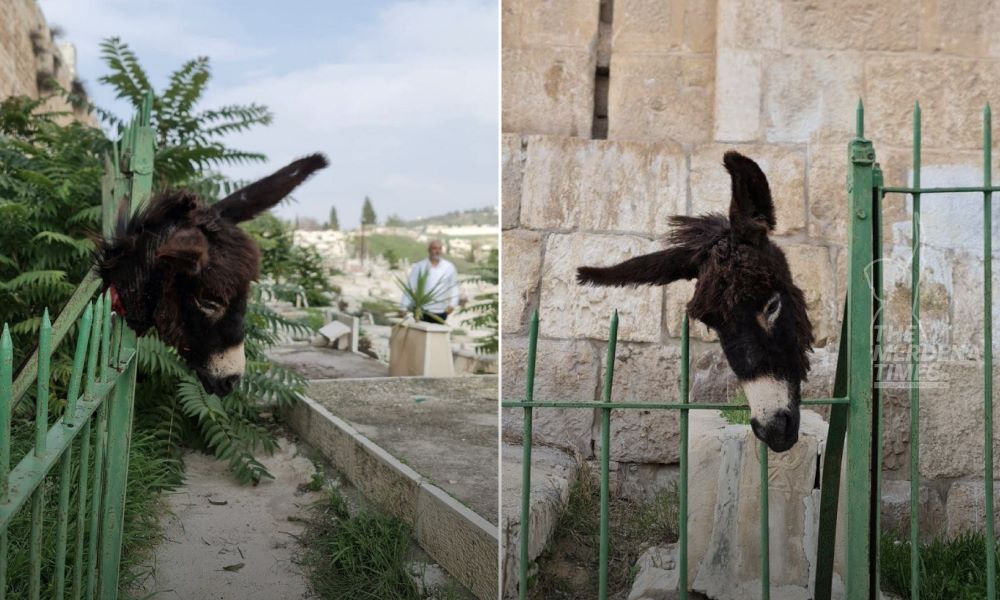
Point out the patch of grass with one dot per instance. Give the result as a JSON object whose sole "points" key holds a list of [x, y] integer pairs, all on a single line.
{"points": [[568, 568], [737, 416], [362, 557], [150, 473], [313, 319], [949, 569]]}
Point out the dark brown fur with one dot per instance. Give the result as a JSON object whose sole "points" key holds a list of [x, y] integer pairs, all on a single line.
{"points": [[184, 268], [738, 271]]}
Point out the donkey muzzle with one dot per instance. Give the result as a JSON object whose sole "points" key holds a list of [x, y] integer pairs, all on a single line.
{"points": [[223, 370], [774, 412]]}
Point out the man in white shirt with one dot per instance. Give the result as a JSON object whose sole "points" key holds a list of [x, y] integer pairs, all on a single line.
{"points": [[441, 277]]}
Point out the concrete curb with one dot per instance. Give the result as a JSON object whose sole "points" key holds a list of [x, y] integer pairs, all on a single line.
{"points": [[463, 542]]}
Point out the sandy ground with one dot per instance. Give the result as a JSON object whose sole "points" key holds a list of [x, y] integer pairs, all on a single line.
{"points": [[223, 540]]}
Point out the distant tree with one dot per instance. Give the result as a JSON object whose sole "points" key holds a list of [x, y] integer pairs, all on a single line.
{"points": [[394, 220], [392, 258], [334, 224], [368, 213]]}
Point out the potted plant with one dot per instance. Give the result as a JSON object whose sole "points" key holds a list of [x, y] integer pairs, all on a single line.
{"points": [[417, 347]]}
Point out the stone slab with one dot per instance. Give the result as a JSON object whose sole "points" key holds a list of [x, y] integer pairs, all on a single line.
{"points": [[552, 475], [400, 490], [602, 185]]}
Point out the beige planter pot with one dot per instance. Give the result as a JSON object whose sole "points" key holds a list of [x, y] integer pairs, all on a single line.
{"points": [[420, 349]]}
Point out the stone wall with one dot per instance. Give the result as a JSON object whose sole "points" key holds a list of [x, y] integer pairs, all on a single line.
{"points": [[672, 84], [30, 55]]}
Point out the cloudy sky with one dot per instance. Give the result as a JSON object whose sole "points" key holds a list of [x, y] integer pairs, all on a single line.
{"points": [[401, 95]]}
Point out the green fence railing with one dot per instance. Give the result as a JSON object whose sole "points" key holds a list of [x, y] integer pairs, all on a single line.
{"points": [[96, 421], [854, 420]]}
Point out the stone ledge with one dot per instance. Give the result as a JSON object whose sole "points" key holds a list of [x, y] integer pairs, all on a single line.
{"points": [[469, 549]]}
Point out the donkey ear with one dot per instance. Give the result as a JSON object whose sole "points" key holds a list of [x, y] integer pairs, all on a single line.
{"points": [[248, 202], [751, 210], [186, 250]]}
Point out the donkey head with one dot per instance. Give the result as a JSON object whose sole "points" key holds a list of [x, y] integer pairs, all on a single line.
{"points": [[744, 293], [184, 268]]}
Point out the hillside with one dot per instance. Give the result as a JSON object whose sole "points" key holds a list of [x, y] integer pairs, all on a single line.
{"points": [[477, 216]]}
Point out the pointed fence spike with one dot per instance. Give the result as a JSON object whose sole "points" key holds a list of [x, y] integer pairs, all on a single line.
{"points": [[859, 115]]}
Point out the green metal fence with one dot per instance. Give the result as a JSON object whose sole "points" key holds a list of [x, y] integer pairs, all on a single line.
{"points": [[96, 422], [854, 405]]}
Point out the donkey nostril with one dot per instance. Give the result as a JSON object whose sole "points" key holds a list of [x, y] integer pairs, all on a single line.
{"points": [[226, 384]]}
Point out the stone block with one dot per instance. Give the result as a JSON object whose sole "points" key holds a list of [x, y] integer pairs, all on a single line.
{"points": [[749, 24], [892, 25], [812, 271], [643, 482], [966, 508], [564, 23], [602, 185], [552, 475], [785, 169], [724, 517], [570, 310], [896, 509], [827, 195], [959, 27], [738, 84], [656, 574], [512, 169], [645, 373], [522, 260], [548, 90], [565, 370], [952, 93], [811, 96], [661, 97], [951, 420], [657, 27]]}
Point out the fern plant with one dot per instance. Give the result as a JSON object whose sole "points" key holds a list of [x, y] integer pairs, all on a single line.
{"points": [[188, 139], [50, 216], [486, 307], [189, 147]]}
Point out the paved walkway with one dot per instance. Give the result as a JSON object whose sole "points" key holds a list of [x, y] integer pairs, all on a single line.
{"points": [[326, 363], [443, 428]]}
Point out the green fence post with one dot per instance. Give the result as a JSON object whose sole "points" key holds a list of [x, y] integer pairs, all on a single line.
{"points": [[6, 402], [915, 368], [609, 377], [682, 509], [119, 439], [991, 574], [861, 157], [526, 437]]}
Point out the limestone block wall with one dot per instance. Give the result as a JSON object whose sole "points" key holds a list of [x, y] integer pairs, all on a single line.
{"points": [[616, 115], [30, 53]]}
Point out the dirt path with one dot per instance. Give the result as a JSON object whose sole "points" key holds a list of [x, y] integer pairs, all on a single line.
{"points": [[223, 540]]}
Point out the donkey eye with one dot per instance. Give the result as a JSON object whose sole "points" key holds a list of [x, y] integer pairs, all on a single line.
{"points": [[773, 306], [208, 306], [770, 313]]}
